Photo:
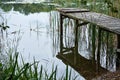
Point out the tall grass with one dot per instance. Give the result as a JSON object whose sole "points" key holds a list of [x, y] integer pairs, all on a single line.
{"points": [[29, 71]]}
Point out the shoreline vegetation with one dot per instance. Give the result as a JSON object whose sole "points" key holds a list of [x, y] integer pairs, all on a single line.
{"points": [[29, 71]]}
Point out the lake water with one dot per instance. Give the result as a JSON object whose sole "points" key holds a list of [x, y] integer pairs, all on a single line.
{"points": [[36, 36]]}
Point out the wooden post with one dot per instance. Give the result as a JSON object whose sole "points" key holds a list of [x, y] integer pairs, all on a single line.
{"points": [[76, 42], [99, 47], [61, 33], [118, 52], [107, 35], [93, 41], [118, 41]]}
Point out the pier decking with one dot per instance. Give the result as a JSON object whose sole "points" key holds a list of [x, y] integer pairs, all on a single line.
{"points": [[106, 22]]}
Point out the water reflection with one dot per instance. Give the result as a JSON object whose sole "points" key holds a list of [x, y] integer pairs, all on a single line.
{"points": [[29, 8], [38, 38], [85, 67]]}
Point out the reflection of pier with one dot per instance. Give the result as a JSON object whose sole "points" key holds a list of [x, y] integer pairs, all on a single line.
{"points": [[87, 68]]}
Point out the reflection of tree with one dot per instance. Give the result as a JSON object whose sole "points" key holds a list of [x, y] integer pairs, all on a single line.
{"points": [[6, 8], [27, 8]]}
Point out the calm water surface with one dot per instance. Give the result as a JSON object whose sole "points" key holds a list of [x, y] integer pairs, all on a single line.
{"points": [[37, 39]]}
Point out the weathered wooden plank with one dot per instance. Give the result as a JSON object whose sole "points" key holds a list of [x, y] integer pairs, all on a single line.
{"points": [[117, 31], [104, 21], [72, 10]]}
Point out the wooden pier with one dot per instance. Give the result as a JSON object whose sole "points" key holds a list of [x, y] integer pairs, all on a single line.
{"points": [[83, 17], [104, 22]]}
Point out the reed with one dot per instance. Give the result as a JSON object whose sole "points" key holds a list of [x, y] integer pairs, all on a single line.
{"points": [[29, 71], [14, 70]]}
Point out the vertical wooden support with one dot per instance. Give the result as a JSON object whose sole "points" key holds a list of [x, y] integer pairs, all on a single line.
{"points": [[118, 53], [118, 41], [107, 36], [76, 42], [61, 32], [93, 41], [99, 47]]}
